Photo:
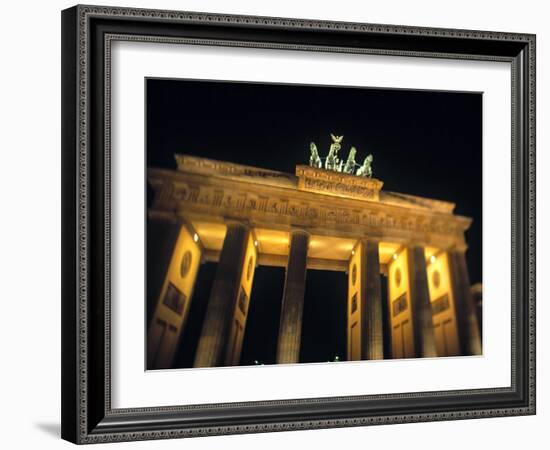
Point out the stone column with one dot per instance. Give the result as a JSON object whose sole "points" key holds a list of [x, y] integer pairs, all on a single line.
{"points": [[421, 309], [290, 329], [365, 332], [162, 237], [477, 301], [466, 321], [172, 306], [242, 303], [217, 322], [372, 340]]}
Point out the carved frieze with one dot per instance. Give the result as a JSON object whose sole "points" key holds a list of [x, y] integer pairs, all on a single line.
{"points": [[339, 184], [248, 203]]}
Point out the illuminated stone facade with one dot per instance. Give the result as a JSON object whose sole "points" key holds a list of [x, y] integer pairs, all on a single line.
{"points": [[241, 217]]}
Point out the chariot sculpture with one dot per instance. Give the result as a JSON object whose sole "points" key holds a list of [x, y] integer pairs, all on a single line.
{"points": [[333, 162]]}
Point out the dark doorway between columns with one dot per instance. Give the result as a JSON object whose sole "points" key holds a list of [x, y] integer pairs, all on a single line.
{"points": [[262, 323], [185, 355], [324, 317]]}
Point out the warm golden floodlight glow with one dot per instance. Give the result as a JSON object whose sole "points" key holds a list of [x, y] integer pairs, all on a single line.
{"points": [[413, 245]]}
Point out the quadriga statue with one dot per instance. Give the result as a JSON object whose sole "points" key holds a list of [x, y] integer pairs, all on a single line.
{"points": [[314, 159], [333, 162], [366, 169], [350, 163]]}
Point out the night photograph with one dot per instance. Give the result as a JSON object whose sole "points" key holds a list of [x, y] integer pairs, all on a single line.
{"points": [[311, 224]]}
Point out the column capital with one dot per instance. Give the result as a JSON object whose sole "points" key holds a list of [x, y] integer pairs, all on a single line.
{"points": [[462, 248], [299, 231], [229, 221], [370, 239]]}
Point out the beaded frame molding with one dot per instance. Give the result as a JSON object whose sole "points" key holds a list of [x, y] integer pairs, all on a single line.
{"points": [[87, 34]]}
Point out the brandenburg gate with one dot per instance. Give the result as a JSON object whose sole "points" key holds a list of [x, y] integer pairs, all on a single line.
{"points": [[315, 219]]}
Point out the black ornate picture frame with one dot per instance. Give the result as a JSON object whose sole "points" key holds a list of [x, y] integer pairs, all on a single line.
{"points": [[87, 35]]}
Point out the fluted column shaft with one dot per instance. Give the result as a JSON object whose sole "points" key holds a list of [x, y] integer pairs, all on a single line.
{"points": [[371, 309], [421, 309], [290, 329], [466, 320], [215, 331]]}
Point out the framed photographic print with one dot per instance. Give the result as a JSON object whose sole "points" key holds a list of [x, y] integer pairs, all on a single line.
{"points": [[279, 224]]}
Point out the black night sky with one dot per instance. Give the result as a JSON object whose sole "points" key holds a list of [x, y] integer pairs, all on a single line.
{"points": [[424, 143]]}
